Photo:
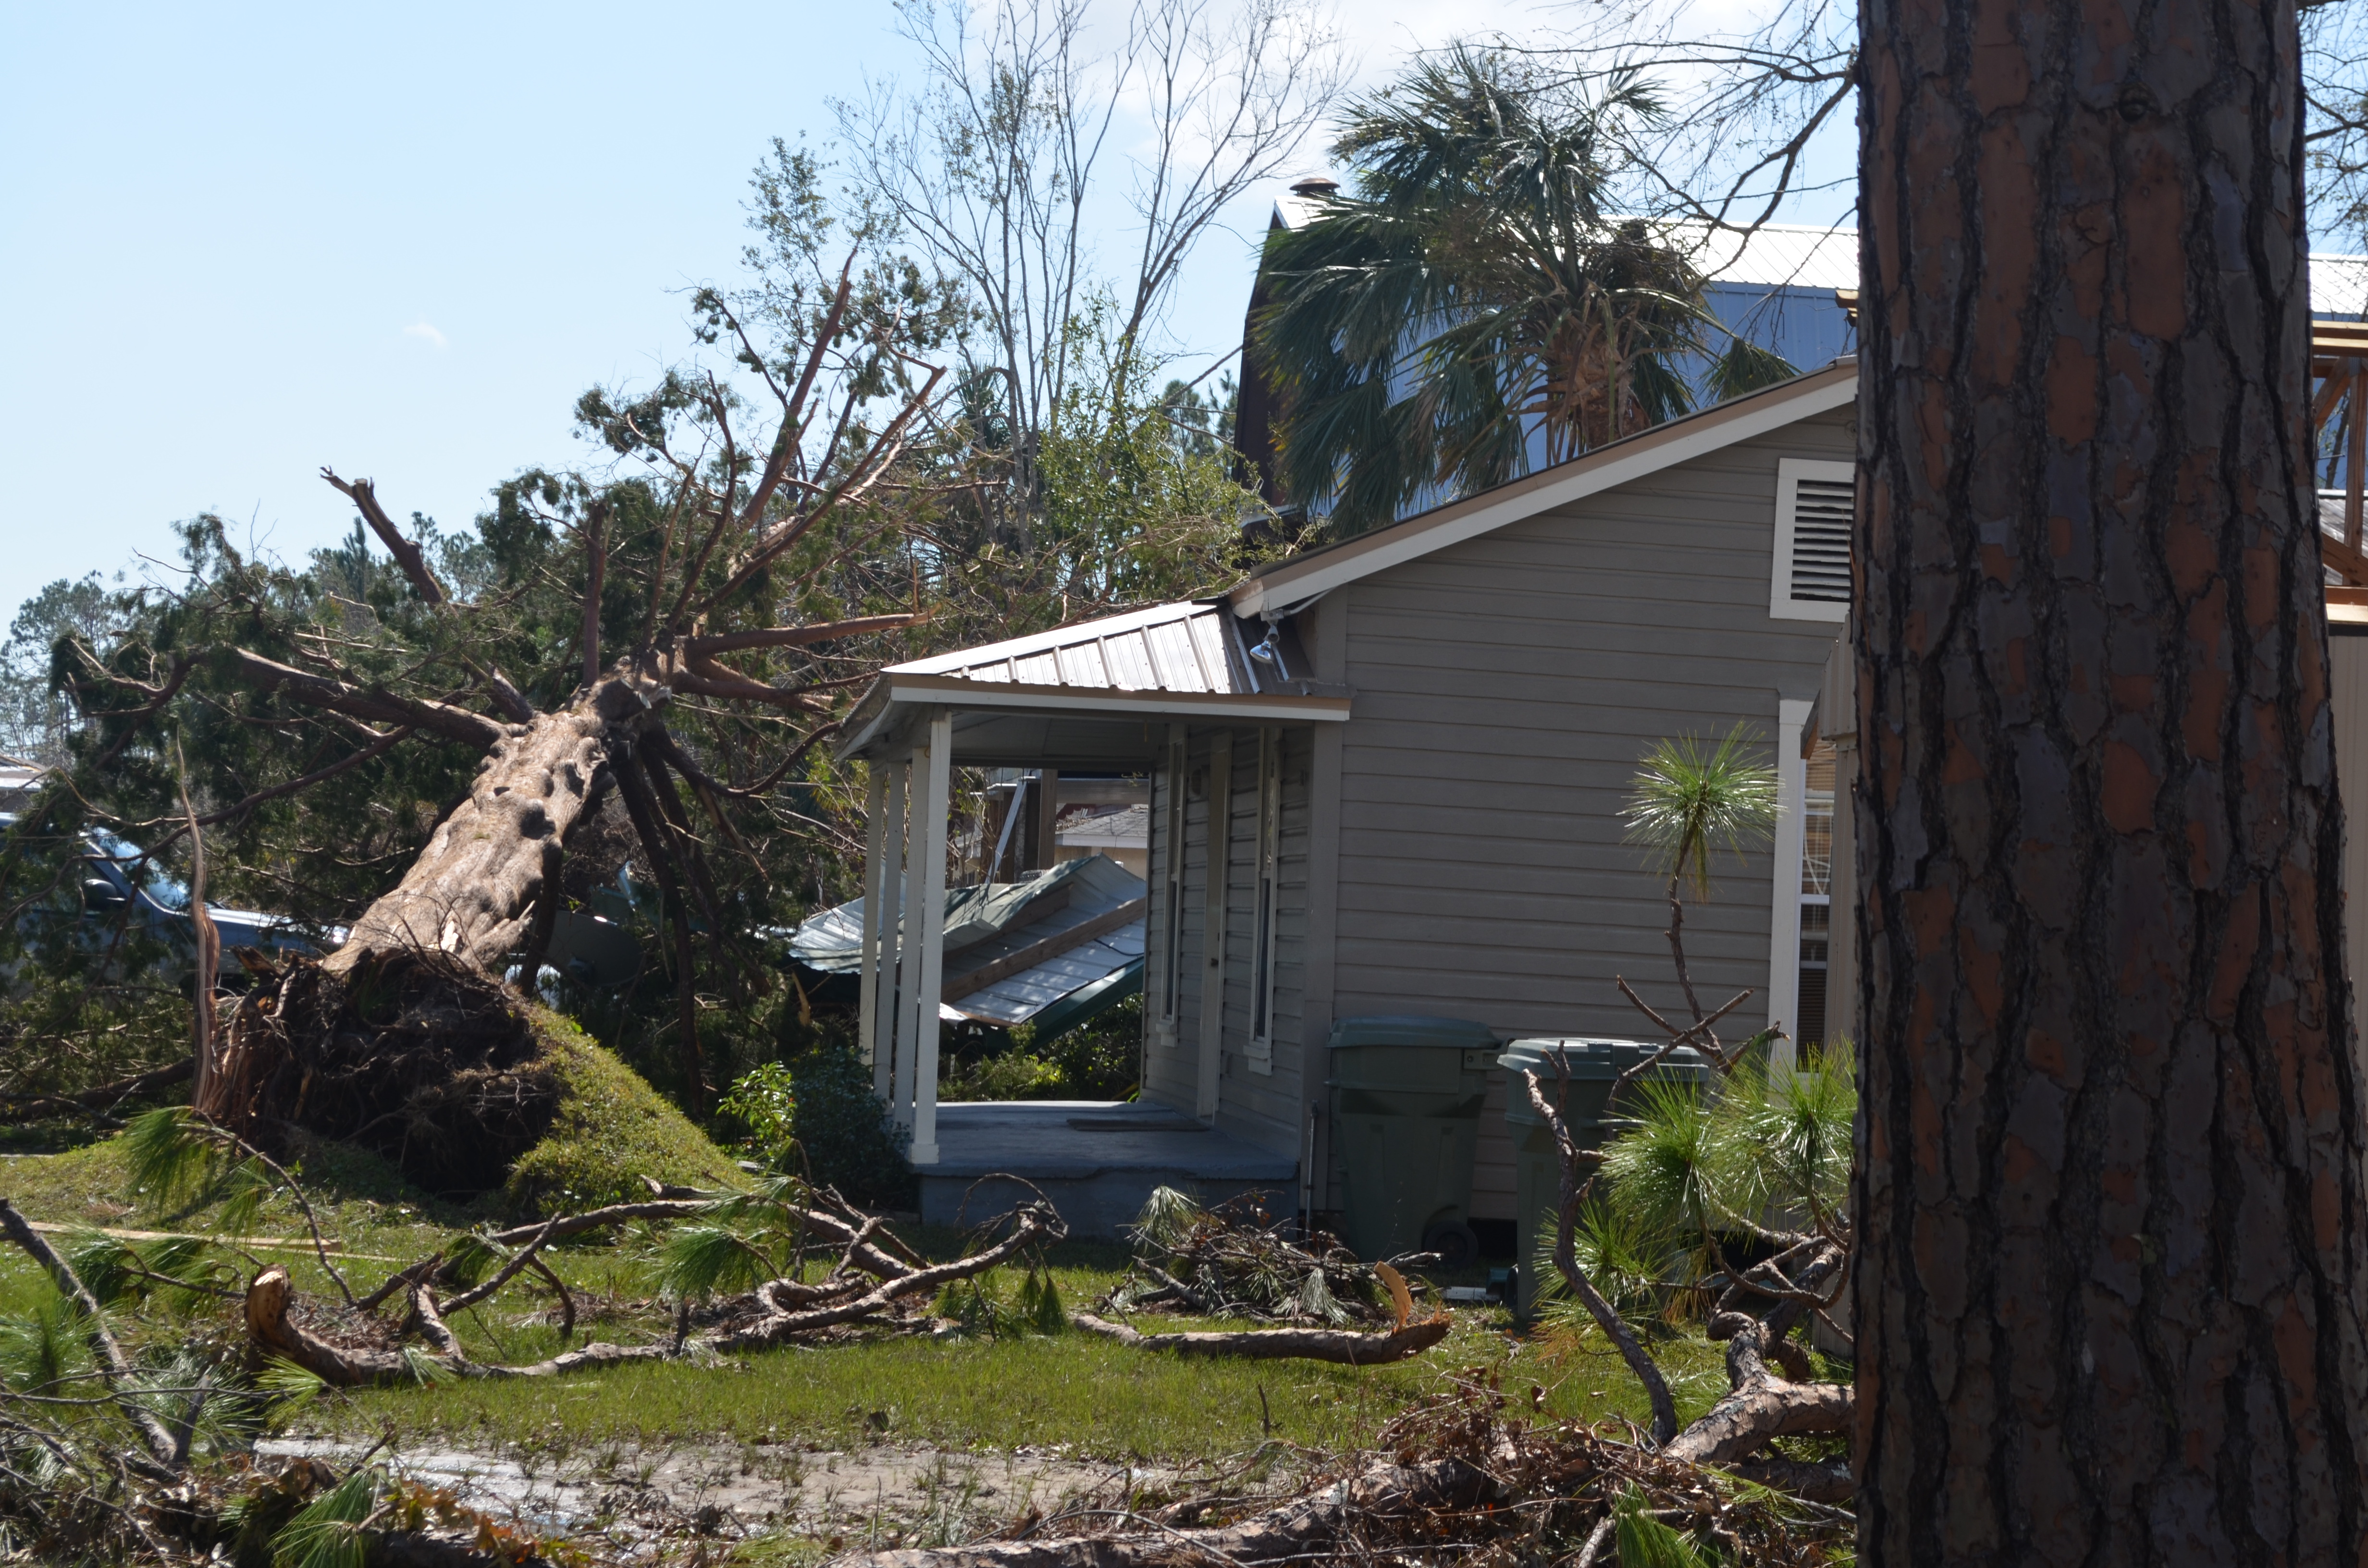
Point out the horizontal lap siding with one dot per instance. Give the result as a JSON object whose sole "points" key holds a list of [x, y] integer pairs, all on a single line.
{"points": [[1506, 688]]}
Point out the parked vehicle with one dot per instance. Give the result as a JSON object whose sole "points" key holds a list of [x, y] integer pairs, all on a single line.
{"points": [[117, 899]]}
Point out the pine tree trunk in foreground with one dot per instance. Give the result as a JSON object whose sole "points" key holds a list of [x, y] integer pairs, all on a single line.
{"points": [[2109, 1292]]}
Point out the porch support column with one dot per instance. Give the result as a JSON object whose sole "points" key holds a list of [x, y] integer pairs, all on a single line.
{"points": [[1212, 928], [934, 774], [867, 972], [1784, 911], [879, 983], [911, 955]]}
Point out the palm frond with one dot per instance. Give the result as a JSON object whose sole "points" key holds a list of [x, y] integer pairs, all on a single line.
{"points": [[327, 1532]]}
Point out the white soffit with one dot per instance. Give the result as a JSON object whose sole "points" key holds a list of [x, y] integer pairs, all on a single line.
{"points": [[1606, 468]]}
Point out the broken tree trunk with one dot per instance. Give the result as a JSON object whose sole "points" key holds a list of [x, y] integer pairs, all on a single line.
{"points": [[474, 890]]}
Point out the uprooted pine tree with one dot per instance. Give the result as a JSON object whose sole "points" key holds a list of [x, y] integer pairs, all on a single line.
{"points": [[663, 642]]}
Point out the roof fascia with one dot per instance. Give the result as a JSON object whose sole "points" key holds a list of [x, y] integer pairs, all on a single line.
{"points": [[899, 693], [1606, 468]]}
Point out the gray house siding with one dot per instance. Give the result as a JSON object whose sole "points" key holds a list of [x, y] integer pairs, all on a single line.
{"points": [[1505, 687]]}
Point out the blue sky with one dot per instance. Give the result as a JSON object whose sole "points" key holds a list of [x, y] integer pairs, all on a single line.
{"points": [[244, 242]]}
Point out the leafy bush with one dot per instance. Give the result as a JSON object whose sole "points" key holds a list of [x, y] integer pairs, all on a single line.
{"points": [[843, 1130], [1100, 1060]]}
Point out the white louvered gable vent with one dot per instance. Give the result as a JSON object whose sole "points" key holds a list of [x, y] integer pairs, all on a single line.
{"points": [[1816, 502]]}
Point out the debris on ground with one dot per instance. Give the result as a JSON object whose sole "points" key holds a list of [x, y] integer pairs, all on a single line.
{"points": [[1234, 1260]]}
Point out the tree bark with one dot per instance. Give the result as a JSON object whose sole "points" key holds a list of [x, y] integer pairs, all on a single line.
{"points": [[473, 893], [2110, 1269]]}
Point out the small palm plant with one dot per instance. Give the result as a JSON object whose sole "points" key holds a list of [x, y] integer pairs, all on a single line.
{"points": [[1692, 799], [1699, 1193]]}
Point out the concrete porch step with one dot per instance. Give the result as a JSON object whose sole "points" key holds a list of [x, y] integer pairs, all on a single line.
{"points": [[1096, 1160]]}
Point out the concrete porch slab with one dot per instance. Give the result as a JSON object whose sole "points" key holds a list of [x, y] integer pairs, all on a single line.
{"points": [[1096, 1160]]}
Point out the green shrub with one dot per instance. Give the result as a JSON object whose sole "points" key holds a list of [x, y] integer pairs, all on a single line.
{"points": [[843, 1133], [1100, 1060]]}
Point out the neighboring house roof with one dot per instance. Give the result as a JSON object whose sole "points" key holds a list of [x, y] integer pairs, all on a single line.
{"points": [[1128, 827], [1275, 589], [1021, 947]]}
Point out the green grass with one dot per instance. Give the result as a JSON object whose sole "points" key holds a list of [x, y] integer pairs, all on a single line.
{"points": [[610, 1129], [1071, 1393]]}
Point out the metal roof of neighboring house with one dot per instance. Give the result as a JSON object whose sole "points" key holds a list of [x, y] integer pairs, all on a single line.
{"points": [[1799, 256], [1084, 918], [1126, 827]]}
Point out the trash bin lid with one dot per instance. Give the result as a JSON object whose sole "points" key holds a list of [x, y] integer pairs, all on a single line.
{"points": [[1591, 1061], [1407, 1029]]}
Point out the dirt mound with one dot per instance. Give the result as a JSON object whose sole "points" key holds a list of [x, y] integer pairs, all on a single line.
{"points": [[418, 1058]]}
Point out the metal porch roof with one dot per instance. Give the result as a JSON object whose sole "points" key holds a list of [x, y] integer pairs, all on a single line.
{"points": [[1086, 694], [1171, 647]]}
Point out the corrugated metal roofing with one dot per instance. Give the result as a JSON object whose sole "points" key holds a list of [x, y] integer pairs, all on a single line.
{"points": [[1806, 257], [1776, 256], [985, 924], [1174, 647]]}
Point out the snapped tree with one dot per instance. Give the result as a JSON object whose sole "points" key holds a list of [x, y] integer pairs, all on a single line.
{"points": [[689, 578], [2109, 1296]]}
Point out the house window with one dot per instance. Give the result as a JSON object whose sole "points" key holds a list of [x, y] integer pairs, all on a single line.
{"points": [[1816, 890], [1269, 857], [1816, 507], [1171, 959]]}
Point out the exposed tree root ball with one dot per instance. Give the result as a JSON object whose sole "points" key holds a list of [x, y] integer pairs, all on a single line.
{"points": [[418, 1058]]}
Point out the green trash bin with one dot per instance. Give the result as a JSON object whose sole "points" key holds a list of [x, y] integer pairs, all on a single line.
{"points": [[1595, 1066], [1406, 1118]]}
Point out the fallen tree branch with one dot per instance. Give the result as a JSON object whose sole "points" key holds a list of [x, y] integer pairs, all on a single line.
{"points": [[116, 1370], [97, 1102], [1036, 1223], [1376, 1498], [1760, 1405], [785, 1307], [1342, 1346]]}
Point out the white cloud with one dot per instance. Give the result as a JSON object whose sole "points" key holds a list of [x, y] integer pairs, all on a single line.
{"points": [[421, 330]]}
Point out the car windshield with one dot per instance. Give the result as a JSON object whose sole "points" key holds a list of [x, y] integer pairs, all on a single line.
{"points": [[138, 869]]}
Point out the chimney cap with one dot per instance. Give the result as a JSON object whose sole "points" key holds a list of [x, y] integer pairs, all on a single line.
{"points": [[1315, 185]]}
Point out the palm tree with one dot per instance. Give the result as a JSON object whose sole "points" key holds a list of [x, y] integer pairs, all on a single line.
{"points": [[1473, 298]]}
